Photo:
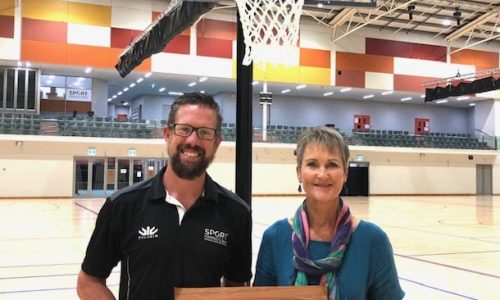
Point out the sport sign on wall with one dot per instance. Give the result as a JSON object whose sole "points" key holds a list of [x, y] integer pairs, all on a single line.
{"points": [[79, 95]]}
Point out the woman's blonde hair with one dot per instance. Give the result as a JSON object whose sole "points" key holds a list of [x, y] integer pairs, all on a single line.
{"points": [[327, 136]]}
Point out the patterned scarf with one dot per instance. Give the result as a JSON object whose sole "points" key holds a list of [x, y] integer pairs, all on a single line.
{"points": [[324, 267]]}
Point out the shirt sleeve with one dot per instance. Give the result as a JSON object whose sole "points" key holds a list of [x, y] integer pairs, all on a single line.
{"points": [[385, 284], [265, 271], [103, 251]]}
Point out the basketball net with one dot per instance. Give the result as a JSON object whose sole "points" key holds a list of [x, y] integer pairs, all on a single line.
{"points": [[270, 30]]}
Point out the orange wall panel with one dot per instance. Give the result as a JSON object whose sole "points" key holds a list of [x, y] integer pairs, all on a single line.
{"points": [[47, 52], [350, 78], [364, 62], [7, 7], [483, 59], [315, 58], [409, 83], [88, 56]]}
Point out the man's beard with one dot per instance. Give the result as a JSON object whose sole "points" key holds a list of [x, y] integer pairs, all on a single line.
{"points": [[189, 172]]}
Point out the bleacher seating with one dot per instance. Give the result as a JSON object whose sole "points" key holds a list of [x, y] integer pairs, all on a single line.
{"points": [[396, 138], [31, 124]]}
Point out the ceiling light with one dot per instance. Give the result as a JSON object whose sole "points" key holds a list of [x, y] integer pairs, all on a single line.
{"points": [[422, 96], [387, 92], [202, 79], [255, 82], [119, 93], [203, 92], [192, 84], [368, 96], [88, 70], [125, 103], [441, 101], [114, 96], [446, 22], [301, 86], [161, 89], [125, 89], [320, 5], [462, 98], [132, 85], [140, 80], [285, 91], [328, 94], [472, 104], [411, 10], [345, 90], [175, 93], [406, 99], [457, 14], [109, 99], [148, 74], [153, 85]]}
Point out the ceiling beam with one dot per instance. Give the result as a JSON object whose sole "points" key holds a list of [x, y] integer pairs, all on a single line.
{"points": [[473, 25], [342, 17], [369, 21]]}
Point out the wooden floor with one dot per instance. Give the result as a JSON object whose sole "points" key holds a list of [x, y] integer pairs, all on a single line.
{"points": [[445, 247]]}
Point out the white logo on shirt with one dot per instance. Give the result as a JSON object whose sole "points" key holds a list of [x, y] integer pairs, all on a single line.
{"points": [[216, 236], [148, 233]]}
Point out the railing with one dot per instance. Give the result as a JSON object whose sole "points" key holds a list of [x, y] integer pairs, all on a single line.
{"points": [[147, 129]]}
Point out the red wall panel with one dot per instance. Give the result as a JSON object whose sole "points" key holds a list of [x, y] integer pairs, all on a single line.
{"points": [[121, 38], [411, 83], [404, 49], [214, 47], [46, 31], [350, 78], [179, 44], [7, 26], [216, 29]]}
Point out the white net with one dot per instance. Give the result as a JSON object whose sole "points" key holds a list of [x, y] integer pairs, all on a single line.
{"points": [[270, 30]]}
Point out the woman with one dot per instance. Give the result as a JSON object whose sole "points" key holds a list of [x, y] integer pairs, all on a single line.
{"points": [[323, 243]]}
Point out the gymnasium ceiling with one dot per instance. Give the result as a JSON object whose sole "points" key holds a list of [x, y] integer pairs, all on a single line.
{"points": [[479, 22]]}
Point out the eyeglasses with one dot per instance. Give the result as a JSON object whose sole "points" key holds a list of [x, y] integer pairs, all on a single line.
{"points": [[203, 133]]}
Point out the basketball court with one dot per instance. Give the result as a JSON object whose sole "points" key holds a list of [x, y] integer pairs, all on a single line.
{"points": [[445, 247]]}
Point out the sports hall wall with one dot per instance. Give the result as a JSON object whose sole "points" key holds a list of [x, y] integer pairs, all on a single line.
{"points": [[41, 166], [90, 33]]}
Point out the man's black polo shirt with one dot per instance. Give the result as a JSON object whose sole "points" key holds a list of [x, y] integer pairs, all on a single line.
{"points": [[139, 228]]}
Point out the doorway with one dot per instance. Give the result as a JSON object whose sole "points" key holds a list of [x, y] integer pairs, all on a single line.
{"points": [[99, 177], [484, 180], [357, 180]]}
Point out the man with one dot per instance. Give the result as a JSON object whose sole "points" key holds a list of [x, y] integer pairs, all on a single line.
{"points": [[177, 229]]}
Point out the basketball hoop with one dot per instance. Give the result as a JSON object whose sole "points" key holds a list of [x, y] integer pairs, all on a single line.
{"points": [[270, 30]]}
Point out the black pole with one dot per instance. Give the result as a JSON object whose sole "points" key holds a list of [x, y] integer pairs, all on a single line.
{"points": [[244, 128]]}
